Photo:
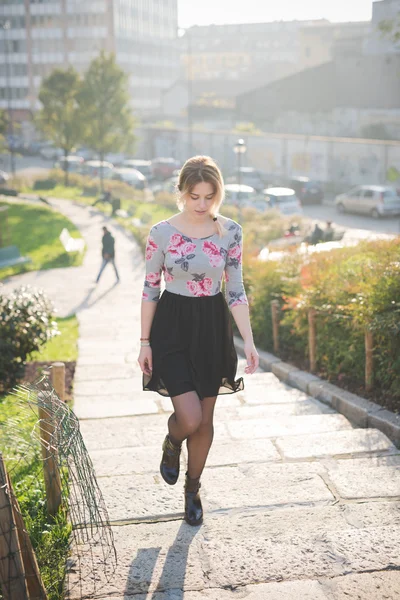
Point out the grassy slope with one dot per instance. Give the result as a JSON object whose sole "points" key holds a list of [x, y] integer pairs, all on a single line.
{"points": [[35, 230]]}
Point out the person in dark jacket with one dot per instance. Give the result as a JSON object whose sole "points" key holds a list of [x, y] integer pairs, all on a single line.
{"points": [[108, 253]]}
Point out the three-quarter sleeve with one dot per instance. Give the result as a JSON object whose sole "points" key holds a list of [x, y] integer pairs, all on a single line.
{"points": [[154, 257], [234, 287]]}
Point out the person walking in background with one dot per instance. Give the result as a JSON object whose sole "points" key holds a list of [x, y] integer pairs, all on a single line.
{"points": [[108, 253], [187, 348]]}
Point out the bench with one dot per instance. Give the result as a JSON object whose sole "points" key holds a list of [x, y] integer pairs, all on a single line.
{"points": [[71, 244], [10, 256]]}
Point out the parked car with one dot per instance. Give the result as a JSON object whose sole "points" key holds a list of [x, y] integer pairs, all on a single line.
{"points": [[116, 158], [92, 168], [86, 153], [144, 166], [307, 190], [74, 163], [163, 168], [284, 200], [132, 177], [242, 195], [4, 177], [374, 200], [51, 152], [248, 176]]}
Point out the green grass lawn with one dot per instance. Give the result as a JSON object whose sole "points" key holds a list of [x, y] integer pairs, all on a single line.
{"points": [[62, 347], [35, 230]]}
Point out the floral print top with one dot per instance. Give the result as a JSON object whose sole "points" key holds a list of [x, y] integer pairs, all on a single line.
{"points": [[194, 266]]}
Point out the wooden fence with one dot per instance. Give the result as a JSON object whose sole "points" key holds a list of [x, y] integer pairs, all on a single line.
{"points": [[19, 573], [312, 342]]}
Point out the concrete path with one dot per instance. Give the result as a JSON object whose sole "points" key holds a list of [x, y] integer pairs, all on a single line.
{"points": [[298, 503]]}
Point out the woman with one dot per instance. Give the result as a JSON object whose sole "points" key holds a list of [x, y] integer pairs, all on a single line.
{"points": [[187, 350]]}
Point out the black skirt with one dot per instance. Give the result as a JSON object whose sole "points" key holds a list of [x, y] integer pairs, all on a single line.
{"points": [[192, 347]]}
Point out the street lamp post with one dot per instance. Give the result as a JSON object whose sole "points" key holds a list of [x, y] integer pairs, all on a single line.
{"points": [[239, 148], [189, 83], [5, 25]]}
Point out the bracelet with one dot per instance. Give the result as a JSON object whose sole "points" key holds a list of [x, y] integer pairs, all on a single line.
{"points": [[144, 339], [145, 343]]}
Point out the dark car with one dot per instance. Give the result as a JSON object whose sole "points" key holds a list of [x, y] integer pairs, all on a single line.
{"points": [[163, 168], [307, 190]]}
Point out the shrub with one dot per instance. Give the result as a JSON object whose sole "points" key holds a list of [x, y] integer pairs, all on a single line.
{"points": [[353, 289], [25, 325], [44, 184]]}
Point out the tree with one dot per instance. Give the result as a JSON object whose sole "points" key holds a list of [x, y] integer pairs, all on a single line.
{"points": [[60, 119], [3, 130], [104, 100], [391, 28]]}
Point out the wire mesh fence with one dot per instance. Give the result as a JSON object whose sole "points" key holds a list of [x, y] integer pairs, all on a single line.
{"points": [[56, 539]]}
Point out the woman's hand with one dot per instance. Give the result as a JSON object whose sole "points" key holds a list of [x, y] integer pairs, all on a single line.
{"points": [[145, 360], [252, 357]]}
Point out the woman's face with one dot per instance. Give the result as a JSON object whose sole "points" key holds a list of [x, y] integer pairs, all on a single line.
{"points": [[200, 200]]}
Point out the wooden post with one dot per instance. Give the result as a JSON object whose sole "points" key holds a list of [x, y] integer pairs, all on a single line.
{"points": [[34, 583], [12, 572], [312, 340], [49, 453], [369, 360], [275, 324], [58, 379]]}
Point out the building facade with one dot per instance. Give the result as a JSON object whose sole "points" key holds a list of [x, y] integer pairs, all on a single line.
{"points": [[45, 34], [384, 10]]}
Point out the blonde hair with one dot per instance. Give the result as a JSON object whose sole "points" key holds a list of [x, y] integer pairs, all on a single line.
{"points": [[194, 171]]}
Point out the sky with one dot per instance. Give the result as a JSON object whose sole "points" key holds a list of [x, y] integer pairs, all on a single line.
{"points": [[205, 12]]}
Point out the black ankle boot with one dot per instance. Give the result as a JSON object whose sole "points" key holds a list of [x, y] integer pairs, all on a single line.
{"points": [[193, 507], [169, 467]]}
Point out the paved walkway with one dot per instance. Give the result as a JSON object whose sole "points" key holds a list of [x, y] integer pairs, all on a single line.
{"points": [[298, 503]]}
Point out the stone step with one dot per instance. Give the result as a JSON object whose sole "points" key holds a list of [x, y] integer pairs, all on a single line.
{"points": [[143, 493], [114, 405], [266, 546], [366, 586]]}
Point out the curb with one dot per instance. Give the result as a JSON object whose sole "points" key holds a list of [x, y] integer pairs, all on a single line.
{"points": [[358, 410]]}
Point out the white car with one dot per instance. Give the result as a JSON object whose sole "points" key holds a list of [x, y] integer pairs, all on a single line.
{"points": [[74, 163], [92, 168], [242, 195], [132, 177], [4, 177], [50, 152], [144, 166], [374, 200], [284, 200]]}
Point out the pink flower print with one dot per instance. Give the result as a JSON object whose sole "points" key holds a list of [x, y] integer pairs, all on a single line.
{"points": [[239, 301], [187, 248], [177, 246], [150, 248], [193, 287], [200, 285], [176, 239], [168, 274], [205, 286], [235, 252], [153, 279], [182, 249], [145, 296], [213, 252]]}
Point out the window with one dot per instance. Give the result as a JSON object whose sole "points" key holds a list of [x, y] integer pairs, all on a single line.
{"points": [[368, 194]]}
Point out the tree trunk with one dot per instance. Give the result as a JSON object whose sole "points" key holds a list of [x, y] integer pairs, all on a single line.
{"points": [[66, 182], [101, 173]]}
